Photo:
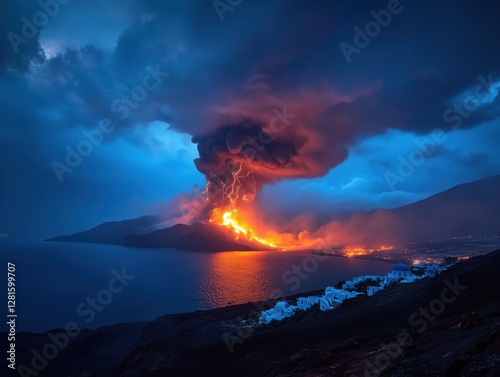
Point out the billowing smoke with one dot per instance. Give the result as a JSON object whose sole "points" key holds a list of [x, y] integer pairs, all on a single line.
{"points": [[247, 156], [262, 139], [238, 159]]}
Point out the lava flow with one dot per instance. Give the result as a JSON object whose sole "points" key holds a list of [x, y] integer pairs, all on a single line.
{"points": [[230, 220], [228, 214]]}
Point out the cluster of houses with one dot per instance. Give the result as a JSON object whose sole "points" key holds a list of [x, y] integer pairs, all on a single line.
{"points": [[333, 297]]}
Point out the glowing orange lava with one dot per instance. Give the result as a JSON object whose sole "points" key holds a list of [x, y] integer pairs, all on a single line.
{"points": [[229, 219], [230, 202], [355, 251], [229, 215], [360, 251]]}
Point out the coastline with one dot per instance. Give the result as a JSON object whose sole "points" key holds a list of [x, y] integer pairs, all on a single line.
{"points": [[338, 340]]}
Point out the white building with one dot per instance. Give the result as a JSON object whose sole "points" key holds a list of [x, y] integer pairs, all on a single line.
{"points": [[305, 303], [371, 290], [438, 268], [430, 272], [338, 295], [350, 284], [284, 309], [281, 310], [267, 316], [313, 300], [333, 297], [325, 305], [354, 294], [330, 289], [400, 271]]}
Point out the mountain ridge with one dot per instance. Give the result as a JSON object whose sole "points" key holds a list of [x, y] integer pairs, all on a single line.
{"points": [[468, 208]]}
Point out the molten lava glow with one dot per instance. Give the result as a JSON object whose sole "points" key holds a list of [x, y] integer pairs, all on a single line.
{"points": [[354, 251], [229, 215], [230, 222], [230, 203], [359, 251]]}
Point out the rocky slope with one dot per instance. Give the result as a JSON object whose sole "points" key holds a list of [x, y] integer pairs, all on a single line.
{"points": [[408, 330]]}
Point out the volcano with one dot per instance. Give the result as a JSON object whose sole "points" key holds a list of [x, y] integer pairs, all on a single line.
{"points": [[470, 208], [137, 233], [199, 236]]}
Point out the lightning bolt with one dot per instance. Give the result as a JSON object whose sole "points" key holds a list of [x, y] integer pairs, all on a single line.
{"points": [[232, 193]]}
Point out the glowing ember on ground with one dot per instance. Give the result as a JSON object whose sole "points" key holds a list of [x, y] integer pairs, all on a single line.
{"points": [[359, 251], [355, 251], [426, 261]]}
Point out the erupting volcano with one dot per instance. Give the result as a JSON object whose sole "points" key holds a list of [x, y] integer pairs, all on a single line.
{"points": [[228, 214], [237, 160]]}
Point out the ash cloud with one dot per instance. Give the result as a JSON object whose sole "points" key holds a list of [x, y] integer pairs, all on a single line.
{"points": [[248, 144], [248, 156], [227, 76], [251, 154]]}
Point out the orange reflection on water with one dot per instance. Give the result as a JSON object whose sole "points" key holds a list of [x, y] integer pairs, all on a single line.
{"points": [[234, 277]]}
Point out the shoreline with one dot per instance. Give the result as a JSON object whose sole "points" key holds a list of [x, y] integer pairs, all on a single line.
{"points": [[229, 306], [339, 340]]}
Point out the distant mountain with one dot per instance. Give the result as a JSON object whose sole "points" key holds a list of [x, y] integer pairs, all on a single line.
{"points": [[198, 236], [142, 232], [470, 208], [113, 232]]}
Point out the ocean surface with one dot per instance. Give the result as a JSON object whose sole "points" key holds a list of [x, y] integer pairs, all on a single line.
{"points": [[55, 280]]}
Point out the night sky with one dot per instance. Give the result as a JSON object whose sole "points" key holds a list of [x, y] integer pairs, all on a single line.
{"points": [[153, 74]]}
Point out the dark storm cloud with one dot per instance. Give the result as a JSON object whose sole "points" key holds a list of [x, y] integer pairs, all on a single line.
{"points": [[246, 153], [13, 55], [227, 75], [242, 143], [405, 79], [294, 46]]}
